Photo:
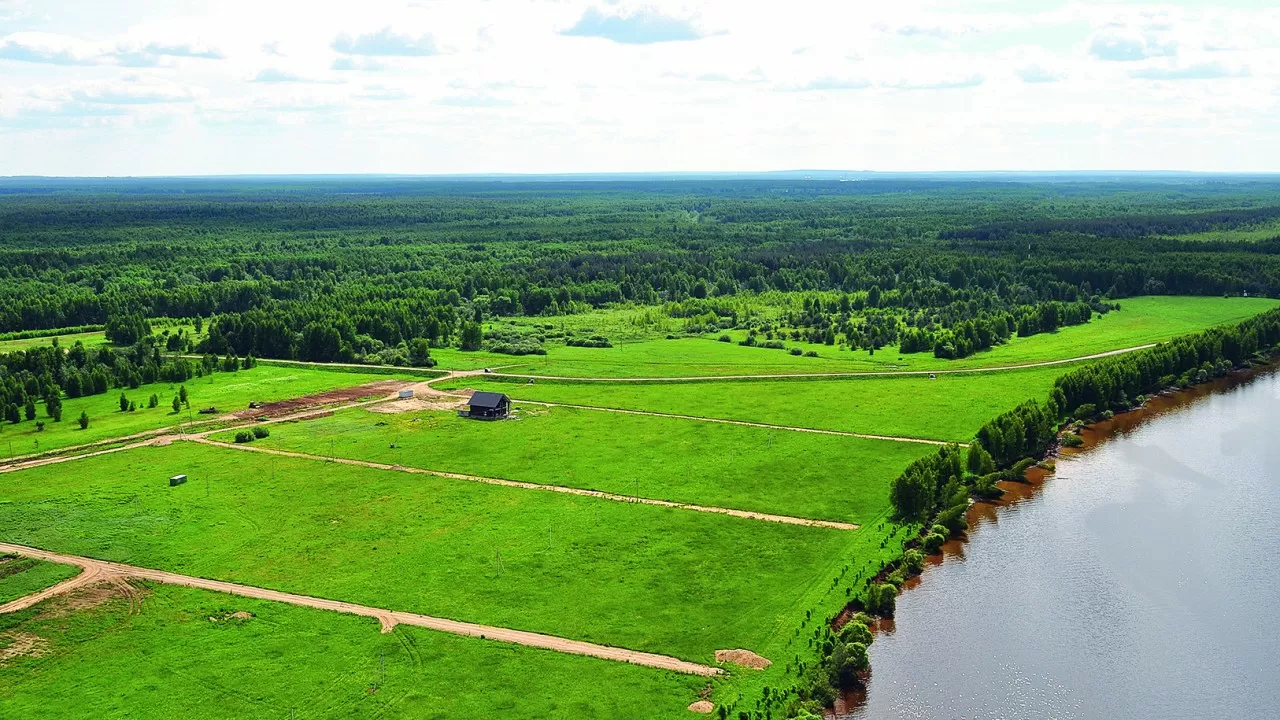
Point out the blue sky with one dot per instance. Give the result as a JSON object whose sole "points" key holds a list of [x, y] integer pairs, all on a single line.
{"points": [[149, 87]]}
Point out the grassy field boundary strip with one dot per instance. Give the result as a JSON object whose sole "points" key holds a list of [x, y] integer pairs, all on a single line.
{"points": [[798, 376], [743, 514], [96, 570], [742, 423]]}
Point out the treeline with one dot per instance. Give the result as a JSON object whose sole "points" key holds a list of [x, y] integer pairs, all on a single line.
{"points": [[307, 271], [1123, 226], [933, 486], [46, 374]]}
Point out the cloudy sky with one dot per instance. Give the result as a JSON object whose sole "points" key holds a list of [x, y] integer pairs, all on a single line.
{"points": [[156, 87]]}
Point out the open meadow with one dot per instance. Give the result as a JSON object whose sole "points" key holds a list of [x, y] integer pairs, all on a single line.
{"points": [[177, 652], [647, 578], [950, 408], [781, 472], [1140, 321]]}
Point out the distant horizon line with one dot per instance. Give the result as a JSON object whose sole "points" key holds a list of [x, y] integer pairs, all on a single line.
{"points": [[657, 174]]}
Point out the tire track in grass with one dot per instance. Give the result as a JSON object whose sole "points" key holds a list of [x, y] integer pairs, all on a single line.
{"points": [[95, 570], [745, 514]]}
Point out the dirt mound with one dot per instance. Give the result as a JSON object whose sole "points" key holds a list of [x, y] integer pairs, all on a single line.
{"points": [[288, 407], [424, 397], [703, 706], [19, 644], [743, 658], [239, 615]]}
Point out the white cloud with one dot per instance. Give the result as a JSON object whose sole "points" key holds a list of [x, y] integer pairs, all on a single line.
{"points": [[47, 48], [1039, 74], [511, 85], [1199, 71], [276, 75], [386, 43], [1121, 47], [641, 27]]}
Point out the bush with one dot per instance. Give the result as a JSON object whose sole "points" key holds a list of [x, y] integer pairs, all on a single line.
{"points": [[847, 661], [1085, 411], [933, 542], [39, 426], [595, 341], [725, 338], [855, 632], [811, 353], [244, 436], [881, 599], [796, 351], [953, 519], [1071, 440], [83, 420], [261, 432], [913, 561], [153, 401]]}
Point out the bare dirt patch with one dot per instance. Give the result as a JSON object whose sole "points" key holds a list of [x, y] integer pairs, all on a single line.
{"points": [[702, 706], [19, 644], [424, 397], [743, 658], [91, 596], [288, 407]]}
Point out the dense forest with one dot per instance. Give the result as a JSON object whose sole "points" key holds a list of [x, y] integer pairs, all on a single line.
{"points": [[383, 270]]}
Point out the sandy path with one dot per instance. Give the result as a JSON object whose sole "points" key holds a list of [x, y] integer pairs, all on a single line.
{"points": [[103, 570], [744, 423], [786, 376], [745, 514]]}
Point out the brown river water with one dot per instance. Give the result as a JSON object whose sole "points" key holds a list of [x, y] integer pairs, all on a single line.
{"points": [[1139, 581]]}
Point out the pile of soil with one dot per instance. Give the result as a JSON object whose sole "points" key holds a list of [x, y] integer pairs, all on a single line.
{"points": [[341, 395], [743, 658]]}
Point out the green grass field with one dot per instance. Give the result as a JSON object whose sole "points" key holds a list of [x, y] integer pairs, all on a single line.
{"points": [[647, 578], [788, 473], [95, 338], [169, 660], [950, 408], [1142, 320], [90, 339], [225, 391], [20, 577]]}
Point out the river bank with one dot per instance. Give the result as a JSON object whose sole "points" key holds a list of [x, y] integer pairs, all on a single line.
{"points": [[1128, 575]]}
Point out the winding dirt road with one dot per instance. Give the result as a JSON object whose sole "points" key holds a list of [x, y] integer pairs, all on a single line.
{"points": [[101, 570], [745, 514]]}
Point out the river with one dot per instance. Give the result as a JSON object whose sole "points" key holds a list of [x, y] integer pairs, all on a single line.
{"points": [[1139, 581]]}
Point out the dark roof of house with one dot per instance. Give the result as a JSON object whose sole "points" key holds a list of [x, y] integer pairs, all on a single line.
{"points": [[488, 400]]}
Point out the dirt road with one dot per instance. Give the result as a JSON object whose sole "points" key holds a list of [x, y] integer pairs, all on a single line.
{"points": [[794, 376], [100, 570], [745, 514]]}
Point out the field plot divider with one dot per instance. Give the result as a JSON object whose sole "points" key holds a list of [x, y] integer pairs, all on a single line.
{"points": [[743, 423], [744, 514]]}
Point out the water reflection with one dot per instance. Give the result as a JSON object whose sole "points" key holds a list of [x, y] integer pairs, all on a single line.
{"points": [[1133, 584]]}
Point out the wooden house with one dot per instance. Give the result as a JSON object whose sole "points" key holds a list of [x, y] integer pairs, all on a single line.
{"points": [[487, 406]]}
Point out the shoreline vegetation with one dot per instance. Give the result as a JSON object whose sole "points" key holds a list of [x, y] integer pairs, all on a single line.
{"points": [[934, 493]]}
